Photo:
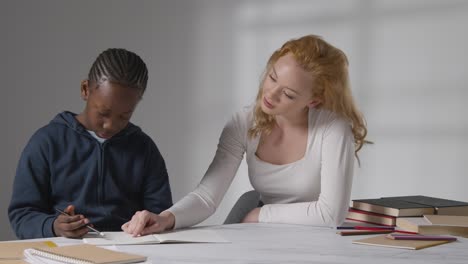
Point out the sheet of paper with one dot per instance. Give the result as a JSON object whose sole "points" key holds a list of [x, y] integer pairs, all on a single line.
{"points": [[191, 236]]}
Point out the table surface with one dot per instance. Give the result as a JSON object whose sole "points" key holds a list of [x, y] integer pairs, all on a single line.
{"points": [[279, 243]]}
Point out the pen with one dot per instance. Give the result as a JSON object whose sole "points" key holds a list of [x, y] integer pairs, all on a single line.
{"points": [[344, 227], [363, 232], [421, 237], [406, 232], [374, 228], [88, 226]]}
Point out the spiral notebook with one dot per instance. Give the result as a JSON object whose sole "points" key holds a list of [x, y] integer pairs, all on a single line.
{"points": [[14, 250], [80, 254], [12, 261]]}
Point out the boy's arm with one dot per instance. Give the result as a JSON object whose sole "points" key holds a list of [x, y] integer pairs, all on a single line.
{"points": [[29, 211], [157, 190]]}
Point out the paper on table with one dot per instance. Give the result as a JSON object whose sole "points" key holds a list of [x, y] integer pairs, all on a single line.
{"points": [[177, 236]]}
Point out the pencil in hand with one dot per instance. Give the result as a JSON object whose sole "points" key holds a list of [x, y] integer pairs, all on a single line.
{"points": [[88, 226]]}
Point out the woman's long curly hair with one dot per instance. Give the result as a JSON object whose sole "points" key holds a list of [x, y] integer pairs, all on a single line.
{"points": [[329, 68]]}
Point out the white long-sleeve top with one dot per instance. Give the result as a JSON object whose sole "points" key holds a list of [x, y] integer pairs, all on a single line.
{"points": [[314, 190]]}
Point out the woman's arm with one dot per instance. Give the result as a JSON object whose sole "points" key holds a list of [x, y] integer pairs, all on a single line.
{"points": [[203, 201]]}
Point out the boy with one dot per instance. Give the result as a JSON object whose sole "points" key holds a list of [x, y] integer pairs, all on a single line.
{"points": [[96, 163]]}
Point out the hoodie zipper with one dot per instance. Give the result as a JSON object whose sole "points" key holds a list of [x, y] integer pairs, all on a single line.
{"points": [[100, 172], [101, 187]]}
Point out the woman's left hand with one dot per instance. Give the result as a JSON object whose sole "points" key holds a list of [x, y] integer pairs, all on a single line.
{"points": [[252, 216]]}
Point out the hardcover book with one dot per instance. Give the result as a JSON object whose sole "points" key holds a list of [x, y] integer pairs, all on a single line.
{"points": [[392, 207], [371, 218], [415, 205], [447, 220], [423, 226], [441, 206]]}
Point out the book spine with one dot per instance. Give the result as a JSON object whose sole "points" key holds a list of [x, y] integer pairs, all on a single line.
{"points": [[368, 222], [376, 209]]}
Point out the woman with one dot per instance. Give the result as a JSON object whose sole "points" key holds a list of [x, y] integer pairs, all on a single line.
{"points": [[300, 141]]}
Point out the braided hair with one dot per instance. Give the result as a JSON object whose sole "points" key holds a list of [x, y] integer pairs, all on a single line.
{"points": [[119, 66]]}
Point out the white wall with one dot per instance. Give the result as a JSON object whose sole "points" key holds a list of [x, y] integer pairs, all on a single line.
{"points": [[408, 71]]}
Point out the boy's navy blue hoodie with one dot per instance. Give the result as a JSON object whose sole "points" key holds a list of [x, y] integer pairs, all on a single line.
{"points": [[63, 165]]}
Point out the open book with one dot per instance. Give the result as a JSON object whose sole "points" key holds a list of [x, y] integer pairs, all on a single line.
{"points": [[177, 236]]}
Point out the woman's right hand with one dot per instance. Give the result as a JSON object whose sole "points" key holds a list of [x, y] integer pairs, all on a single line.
{"points": [[145, 222]]}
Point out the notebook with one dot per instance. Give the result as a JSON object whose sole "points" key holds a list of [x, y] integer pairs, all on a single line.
{"points": [[447, 220], [13, 261], [423, 226], [383, 241], [80, 254], [177, 236], [14, 250]]}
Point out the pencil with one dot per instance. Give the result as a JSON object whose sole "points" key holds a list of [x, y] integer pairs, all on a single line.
{"points": [[345, 227], [365, 227], [363, 232], [374, 228], [88, 226], [420, 237]]}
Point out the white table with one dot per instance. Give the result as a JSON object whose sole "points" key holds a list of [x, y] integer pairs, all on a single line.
{"points": [[277, 243]]}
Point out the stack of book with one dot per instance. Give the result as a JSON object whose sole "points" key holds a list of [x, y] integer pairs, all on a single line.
{"points": [[388, 210]]}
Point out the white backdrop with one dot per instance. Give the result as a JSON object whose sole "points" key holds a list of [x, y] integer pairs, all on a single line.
{"points": [[205, 57]]}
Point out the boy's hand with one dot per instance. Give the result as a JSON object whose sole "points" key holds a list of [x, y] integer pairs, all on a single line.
{"points": [[145, 222], [72, 226]]}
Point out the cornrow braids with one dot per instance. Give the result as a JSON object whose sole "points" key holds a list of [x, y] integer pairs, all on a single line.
{"points": [[119, 66]]}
